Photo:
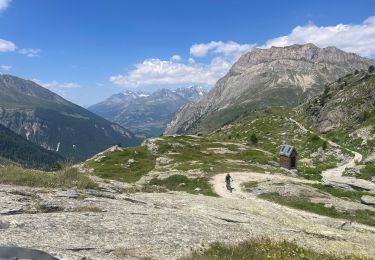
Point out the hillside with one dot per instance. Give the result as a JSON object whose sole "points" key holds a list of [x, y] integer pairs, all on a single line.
{"points": [[15, 149], [48, 120], [146, 114], [345, 113], [279, 76], [345, 105]]}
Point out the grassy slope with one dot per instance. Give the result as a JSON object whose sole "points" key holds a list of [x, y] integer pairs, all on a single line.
{"points": [[128, 165], [362, 216], [65, 178], [272, 127]]}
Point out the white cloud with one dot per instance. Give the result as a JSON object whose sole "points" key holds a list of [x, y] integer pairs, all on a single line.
{"points": [[6, 46], [55, 86], [175, 71], [162, 72], [357, 38], [176, 58], [5, 67], [30, 52], [4, 4], [219, 47]]}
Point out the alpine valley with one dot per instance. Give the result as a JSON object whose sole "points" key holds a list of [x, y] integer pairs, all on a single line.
{"points": [[147, 114]]}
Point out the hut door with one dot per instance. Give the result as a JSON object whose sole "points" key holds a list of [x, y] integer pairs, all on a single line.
{"points": [[293, 162]]}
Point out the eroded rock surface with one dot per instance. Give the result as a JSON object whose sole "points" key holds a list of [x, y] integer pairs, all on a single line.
{"points": [[109, 224]]}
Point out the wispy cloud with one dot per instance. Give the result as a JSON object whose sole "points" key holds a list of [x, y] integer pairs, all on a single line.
{"points": [[5, 67], [7, 46], [29, 52], [56, 86], [4, 4], [230, 48]]}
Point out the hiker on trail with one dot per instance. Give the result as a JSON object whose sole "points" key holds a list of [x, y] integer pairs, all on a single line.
{"points": [[228, 179]]}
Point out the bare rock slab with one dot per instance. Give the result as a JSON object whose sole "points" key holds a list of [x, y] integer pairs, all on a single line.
{"points": [[368, 200]]}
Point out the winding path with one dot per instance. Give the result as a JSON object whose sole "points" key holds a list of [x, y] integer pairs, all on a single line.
{"points": [[334, 176]]}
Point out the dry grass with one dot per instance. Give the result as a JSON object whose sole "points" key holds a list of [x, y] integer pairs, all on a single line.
{"points": [[64, 178], [262, 248]]}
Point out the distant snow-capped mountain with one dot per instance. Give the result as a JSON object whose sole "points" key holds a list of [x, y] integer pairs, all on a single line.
{"points": [[145, 113]]}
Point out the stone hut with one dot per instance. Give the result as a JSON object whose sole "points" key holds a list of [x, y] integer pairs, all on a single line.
{"points": [[288, 156]]}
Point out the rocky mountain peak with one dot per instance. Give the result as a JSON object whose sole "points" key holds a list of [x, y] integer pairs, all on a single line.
{"points": [[283, 76]]}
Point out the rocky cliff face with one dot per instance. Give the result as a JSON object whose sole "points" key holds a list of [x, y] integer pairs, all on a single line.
{"points": [[263, 77], [347, 103], [144, 113], [46, 119]]}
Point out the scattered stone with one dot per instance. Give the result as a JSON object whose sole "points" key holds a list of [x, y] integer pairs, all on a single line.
{"points": [[370, 159], [352, 171], [197, 189], [368, 200], [48, 207], [163, 160], [328, 205], [346, 226], [131, 160], [183, 184], [4, 224]]}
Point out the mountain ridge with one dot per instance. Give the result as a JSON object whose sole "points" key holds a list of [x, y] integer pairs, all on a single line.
{"points": [[48, 120], [266, 77]]}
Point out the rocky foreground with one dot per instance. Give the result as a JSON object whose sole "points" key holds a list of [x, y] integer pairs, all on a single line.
{"points": [[111, 224]]}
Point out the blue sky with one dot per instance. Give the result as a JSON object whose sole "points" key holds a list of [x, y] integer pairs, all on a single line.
{"points": [[87, 50]]}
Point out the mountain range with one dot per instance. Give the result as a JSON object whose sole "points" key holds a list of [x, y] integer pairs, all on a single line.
{"points": [[146, 114], [278, 76], [48, 120]]}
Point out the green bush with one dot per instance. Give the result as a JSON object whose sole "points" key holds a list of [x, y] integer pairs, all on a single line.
{"points": [[368, 172], [253, 139]]}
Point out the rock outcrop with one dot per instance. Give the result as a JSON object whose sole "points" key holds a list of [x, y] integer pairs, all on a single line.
{"points": [[348, 102]]}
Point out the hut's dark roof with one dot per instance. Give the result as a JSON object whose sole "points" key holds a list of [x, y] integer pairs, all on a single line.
{"points": [[286, 150]]}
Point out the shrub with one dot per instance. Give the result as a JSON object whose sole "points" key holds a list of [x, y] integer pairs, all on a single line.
{"points": [[253, 139], [371, 69], [324, 145]]}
